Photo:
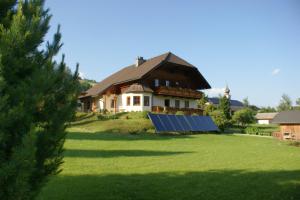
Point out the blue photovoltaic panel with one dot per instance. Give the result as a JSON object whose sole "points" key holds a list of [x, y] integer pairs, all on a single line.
{"points": [[176, 123], [182, 123], [192, 123], [166, 122], [157, 123]]}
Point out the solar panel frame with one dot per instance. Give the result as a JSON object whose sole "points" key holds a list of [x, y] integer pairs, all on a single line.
{"points": [[182, 123]]}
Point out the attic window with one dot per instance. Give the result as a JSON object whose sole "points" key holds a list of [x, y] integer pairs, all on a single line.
{"points": [[167, 83], [156, 82]]}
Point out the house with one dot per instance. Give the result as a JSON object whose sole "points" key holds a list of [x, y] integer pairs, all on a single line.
{"points": [[163, 83], [289, 122], [265, 118], [235, 105]]}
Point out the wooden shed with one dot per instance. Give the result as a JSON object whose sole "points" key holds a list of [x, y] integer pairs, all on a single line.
{"points": [[289, 122]]}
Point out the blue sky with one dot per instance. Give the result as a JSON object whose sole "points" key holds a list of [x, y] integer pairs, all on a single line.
{"points": [[253, 46]]}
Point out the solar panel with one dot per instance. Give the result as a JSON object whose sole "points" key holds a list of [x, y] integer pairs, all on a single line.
{"points": [[157, 123], [182, 123], [166, 122]]}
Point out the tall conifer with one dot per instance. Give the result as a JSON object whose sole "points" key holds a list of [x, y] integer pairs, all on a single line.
{"points": [[37, 98]]}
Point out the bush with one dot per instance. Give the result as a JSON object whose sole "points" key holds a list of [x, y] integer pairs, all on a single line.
{"points": [[209, 109], [294, 143], [219, 119], [252, 131], [179, 113]]}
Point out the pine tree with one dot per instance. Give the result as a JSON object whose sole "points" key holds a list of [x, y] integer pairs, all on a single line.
{"points": [[37, 99], [224, 106]]}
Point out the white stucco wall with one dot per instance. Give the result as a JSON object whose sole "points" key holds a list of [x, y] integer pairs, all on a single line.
{"points": [[134, 108], [160, 101], [263, 121], [155, 100]]}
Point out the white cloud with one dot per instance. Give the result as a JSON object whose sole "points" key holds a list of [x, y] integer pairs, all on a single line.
{"points": [[214, 92], [275, 71], [81, 75]]}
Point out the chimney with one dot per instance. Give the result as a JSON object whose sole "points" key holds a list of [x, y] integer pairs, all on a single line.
{"points": [[139, 60]]}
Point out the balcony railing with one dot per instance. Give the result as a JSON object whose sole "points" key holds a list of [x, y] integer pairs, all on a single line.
{"points": [[178, 92], [172, 110]]}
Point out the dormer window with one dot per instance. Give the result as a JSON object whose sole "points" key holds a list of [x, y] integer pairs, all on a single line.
{"points": [[156, 82], [167, 83]]}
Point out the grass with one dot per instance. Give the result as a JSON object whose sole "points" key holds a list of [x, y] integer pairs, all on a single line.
{"points": [[102, 161]]}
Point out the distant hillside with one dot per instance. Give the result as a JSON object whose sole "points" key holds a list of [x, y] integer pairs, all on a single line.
{"points": [[85, 84]]}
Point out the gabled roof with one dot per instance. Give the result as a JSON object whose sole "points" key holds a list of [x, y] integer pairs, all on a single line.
{"points": [[265, 116], [138, 88], [287, 117], [215, 100], [132, 73]]}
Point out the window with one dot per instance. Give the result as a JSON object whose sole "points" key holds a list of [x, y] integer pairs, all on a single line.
{"points": [[112, 103], [186, 104], [146, 101], [156, 82], [128, 101], [177, 103], [167, 102], [167, 83], [136, 100]]}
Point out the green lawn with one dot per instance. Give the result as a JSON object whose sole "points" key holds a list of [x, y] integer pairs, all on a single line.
{"points": [[103, 165]]}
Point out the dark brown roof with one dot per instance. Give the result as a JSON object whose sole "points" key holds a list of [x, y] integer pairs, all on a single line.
{"points": [[287, 117], [138, 88], [132, 73]]}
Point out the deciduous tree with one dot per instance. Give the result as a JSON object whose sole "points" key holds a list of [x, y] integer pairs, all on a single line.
{"points": [[285, 103]]}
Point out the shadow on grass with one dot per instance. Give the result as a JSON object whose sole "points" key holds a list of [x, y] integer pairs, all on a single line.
{"points": [[208, 185], [112, 135], [117, 153]]}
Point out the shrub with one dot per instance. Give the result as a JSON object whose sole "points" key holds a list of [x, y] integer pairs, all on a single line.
{"points": [[253, 131], [179, 113], [209, 109], [294, 143], [219, 119]]}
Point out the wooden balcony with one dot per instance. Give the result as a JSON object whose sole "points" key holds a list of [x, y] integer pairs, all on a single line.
{"points": [[178, 92], [171, 110]]}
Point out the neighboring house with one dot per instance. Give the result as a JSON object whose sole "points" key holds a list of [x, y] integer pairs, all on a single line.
{"points": [[235, 105], [163, 83], [265, 118], [289, 122]]}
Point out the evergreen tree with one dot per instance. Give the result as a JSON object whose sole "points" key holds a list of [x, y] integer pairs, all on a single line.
{"points": [[246, 102], [37, 98], [285, 103], [224, 106]]}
